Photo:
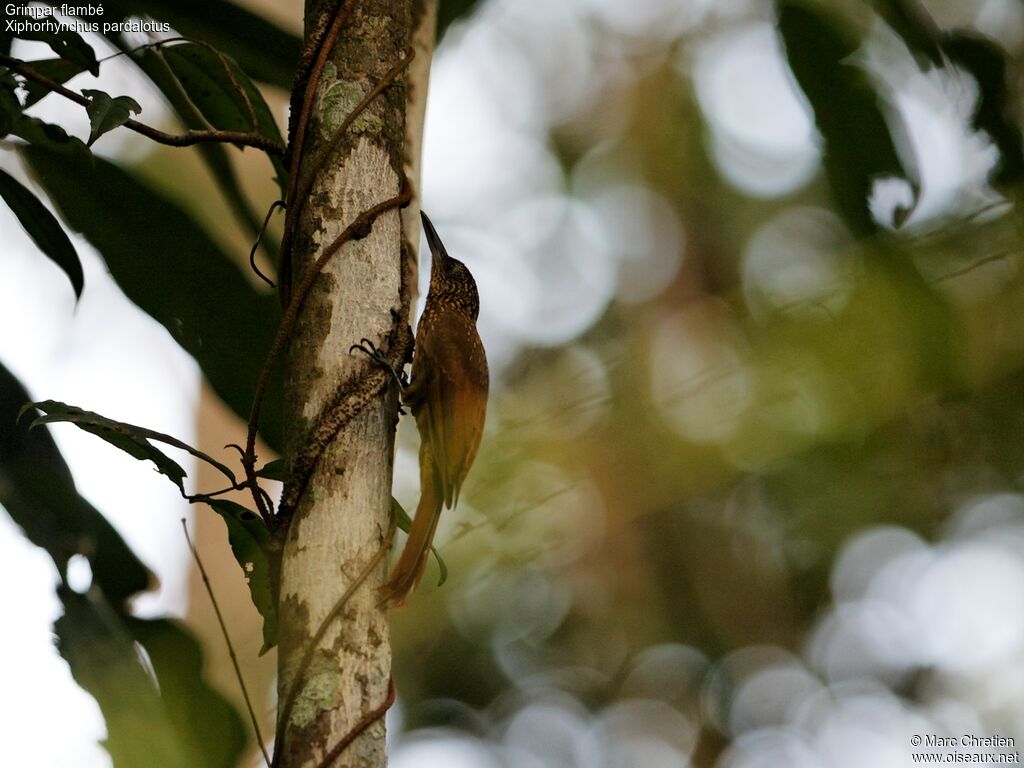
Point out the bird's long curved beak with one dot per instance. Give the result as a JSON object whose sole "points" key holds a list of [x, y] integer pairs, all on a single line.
{"points": [[437, 251]]}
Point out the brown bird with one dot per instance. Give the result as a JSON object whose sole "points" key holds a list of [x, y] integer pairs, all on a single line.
{"points": [[448, 398]]}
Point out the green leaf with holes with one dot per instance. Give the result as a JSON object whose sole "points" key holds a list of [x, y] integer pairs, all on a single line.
{"points": [[214, 155], [10, 105], [250, 544], [265, 50], [220, 90]]}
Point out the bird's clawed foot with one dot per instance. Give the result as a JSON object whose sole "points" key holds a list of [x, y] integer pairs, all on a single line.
{"points": [[369, 349]]}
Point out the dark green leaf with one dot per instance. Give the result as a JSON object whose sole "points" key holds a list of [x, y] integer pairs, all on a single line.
{"points": [[994, 112], [107, 113], [214, 155], [209, 730], [250, 541], [103, 661], [223, 93], [404, 523], [860, 147], [133, 440], [38, 492], [69, 45], [273, 470], [174, 721], [43, 228], [451, 11], [58, 70], [49, 136], [10, 106], [170, 267]]}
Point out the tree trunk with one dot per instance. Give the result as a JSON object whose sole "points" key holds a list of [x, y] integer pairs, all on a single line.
{"points": [[343, 520]]}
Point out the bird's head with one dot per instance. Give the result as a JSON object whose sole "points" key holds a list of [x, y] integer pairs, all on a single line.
{"points": [[451, 283]]}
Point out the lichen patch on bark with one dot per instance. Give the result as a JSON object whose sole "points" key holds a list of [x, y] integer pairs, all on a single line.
{"points": [[339, 100], [319, 692]]}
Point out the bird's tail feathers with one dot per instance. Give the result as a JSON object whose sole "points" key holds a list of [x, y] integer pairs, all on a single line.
{"points": [[413, 560]]}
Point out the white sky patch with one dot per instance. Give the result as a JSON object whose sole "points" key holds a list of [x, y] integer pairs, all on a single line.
{"points": [[448, 748], [49, 722], [657, 19], [762, 132], [559, 239]]}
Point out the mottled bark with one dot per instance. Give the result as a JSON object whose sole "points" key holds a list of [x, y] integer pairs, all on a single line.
{"points": [[343, 518]]}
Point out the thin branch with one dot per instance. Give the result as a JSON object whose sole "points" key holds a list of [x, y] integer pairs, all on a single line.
{"points": [[252, 254], [464, 529], [154, 44], [307, 657], [227, 640], [130, 51], [253, 121], [976, 264], [203, 498], [327, 41], [369, 719], [186, 139]]}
